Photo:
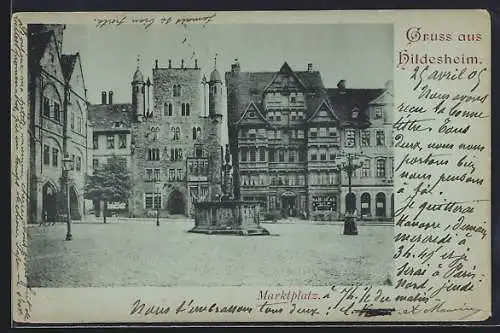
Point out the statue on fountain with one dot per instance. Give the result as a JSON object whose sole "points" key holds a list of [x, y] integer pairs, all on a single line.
{"points": [[226, 215]]}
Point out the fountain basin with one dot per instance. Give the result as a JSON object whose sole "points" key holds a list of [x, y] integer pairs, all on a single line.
{"points": [[228, 217]]}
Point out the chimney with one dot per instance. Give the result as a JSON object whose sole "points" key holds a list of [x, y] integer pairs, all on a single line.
{"points": [[235, 67], [388, 85], [341, 85], [182, 63], [196, 63], [169, 63], [309, 67], [103, 97], [156, 63], [110, 97]]}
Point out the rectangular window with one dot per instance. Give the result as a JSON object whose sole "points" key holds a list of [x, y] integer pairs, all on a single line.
{"points": [[322, 156], [380, 136], [322, 132], [179, 174], [332, 156], [262, 154], [381, 168], [281, 155], [78, 163], [379, 112], [123, 162], [278, 116], [110, 141], [365, 168], [46, 107], [313, 133], [171, 175], [149, 174], [293, 99], [157, 200], [46, 155], [314, 156], [122, 141], [291, 156], [365, 138], [302, 156], [95, 140], [350, 138], [148, 201], [57, 112], [300, 134], [244, 152], [252, 155], [244, 133], [95, 163], [55, 156], [332, 131], [72, 121], [156, 174], [271, 155], [252, 134]]}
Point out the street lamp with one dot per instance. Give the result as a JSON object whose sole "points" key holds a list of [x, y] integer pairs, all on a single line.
{"points": [[350, 227], [157, 206], [67, 164]]}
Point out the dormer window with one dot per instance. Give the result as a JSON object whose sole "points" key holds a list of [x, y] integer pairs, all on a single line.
{"points": [[116, 124], [379, 112], [355, 113]]}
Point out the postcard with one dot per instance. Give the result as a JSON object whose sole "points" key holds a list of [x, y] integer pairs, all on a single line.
{"points": [[275, 166]]}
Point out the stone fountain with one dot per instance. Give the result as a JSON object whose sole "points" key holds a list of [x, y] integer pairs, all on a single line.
{"points": [[227, 215]]}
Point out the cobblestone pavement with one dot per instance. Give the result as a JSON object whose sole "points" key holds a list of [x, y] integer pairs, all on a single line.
{"points": [[138, 253]]}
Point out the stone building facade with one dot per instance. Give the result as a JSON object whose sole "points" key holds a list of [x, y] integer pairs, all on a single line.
{"points": [[290, 133], [176, 155], [111, 127], [57, 124]]}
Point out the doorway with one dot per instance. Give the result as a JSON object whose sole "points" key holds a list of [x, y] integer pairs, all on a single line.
{"points": [[380, 205], [49, 203], [73, 204], [288, 205], [176, 203]]}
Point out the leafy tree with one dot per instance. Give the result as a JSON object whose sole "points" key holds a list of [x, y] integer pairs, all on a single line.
{"points": [[111, 182]]}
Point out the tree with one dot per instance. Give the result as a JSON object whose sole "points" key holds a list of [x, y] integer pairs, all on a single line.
{"points": [[111, 182]]}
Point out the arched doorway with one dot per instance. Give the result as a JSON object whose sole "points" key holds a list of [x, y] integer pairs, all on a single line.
{"points": [[49, 202], [73, 204], [176, 203], [350, 202], [288, 204], [365, 204], [392, 205], [380, 205]]}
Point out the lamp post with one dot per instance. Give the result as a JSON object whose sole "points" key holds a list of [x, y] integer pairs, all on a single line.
{"points": [[350, 227], [157, 206], [67, 164]]}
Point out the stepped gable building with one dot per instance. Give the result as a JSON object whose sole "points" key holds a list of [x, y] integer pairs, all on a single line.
{"points": [[176, 139], [289, 132], [57, 123]]}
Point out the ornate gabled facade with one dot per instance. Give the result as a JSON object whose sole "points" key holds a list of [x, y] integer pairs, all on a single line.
{"points": [[57, 123], [289, 131]]}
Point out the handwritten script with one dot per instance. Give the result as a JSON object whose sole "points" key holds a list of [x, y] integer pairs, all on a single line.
{"points": [[23, 293], [147, 22]]}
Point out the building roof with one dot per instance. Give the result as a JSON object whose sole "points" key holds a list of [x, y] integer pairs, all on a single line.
{"points": [[246, 87], [343, 101], [138, 76], [68, 62], [104, 116], [215, 76], [37, 43]]}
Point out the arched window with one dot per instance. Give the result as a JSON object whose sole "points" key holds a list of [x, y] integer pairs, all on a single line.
{"points": [[183, 109], [177, 134], [380, 204], [165, 109], [365, 204], [194, 133], [170, 109], [187, 109], [172, 154], [198, 133]]}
